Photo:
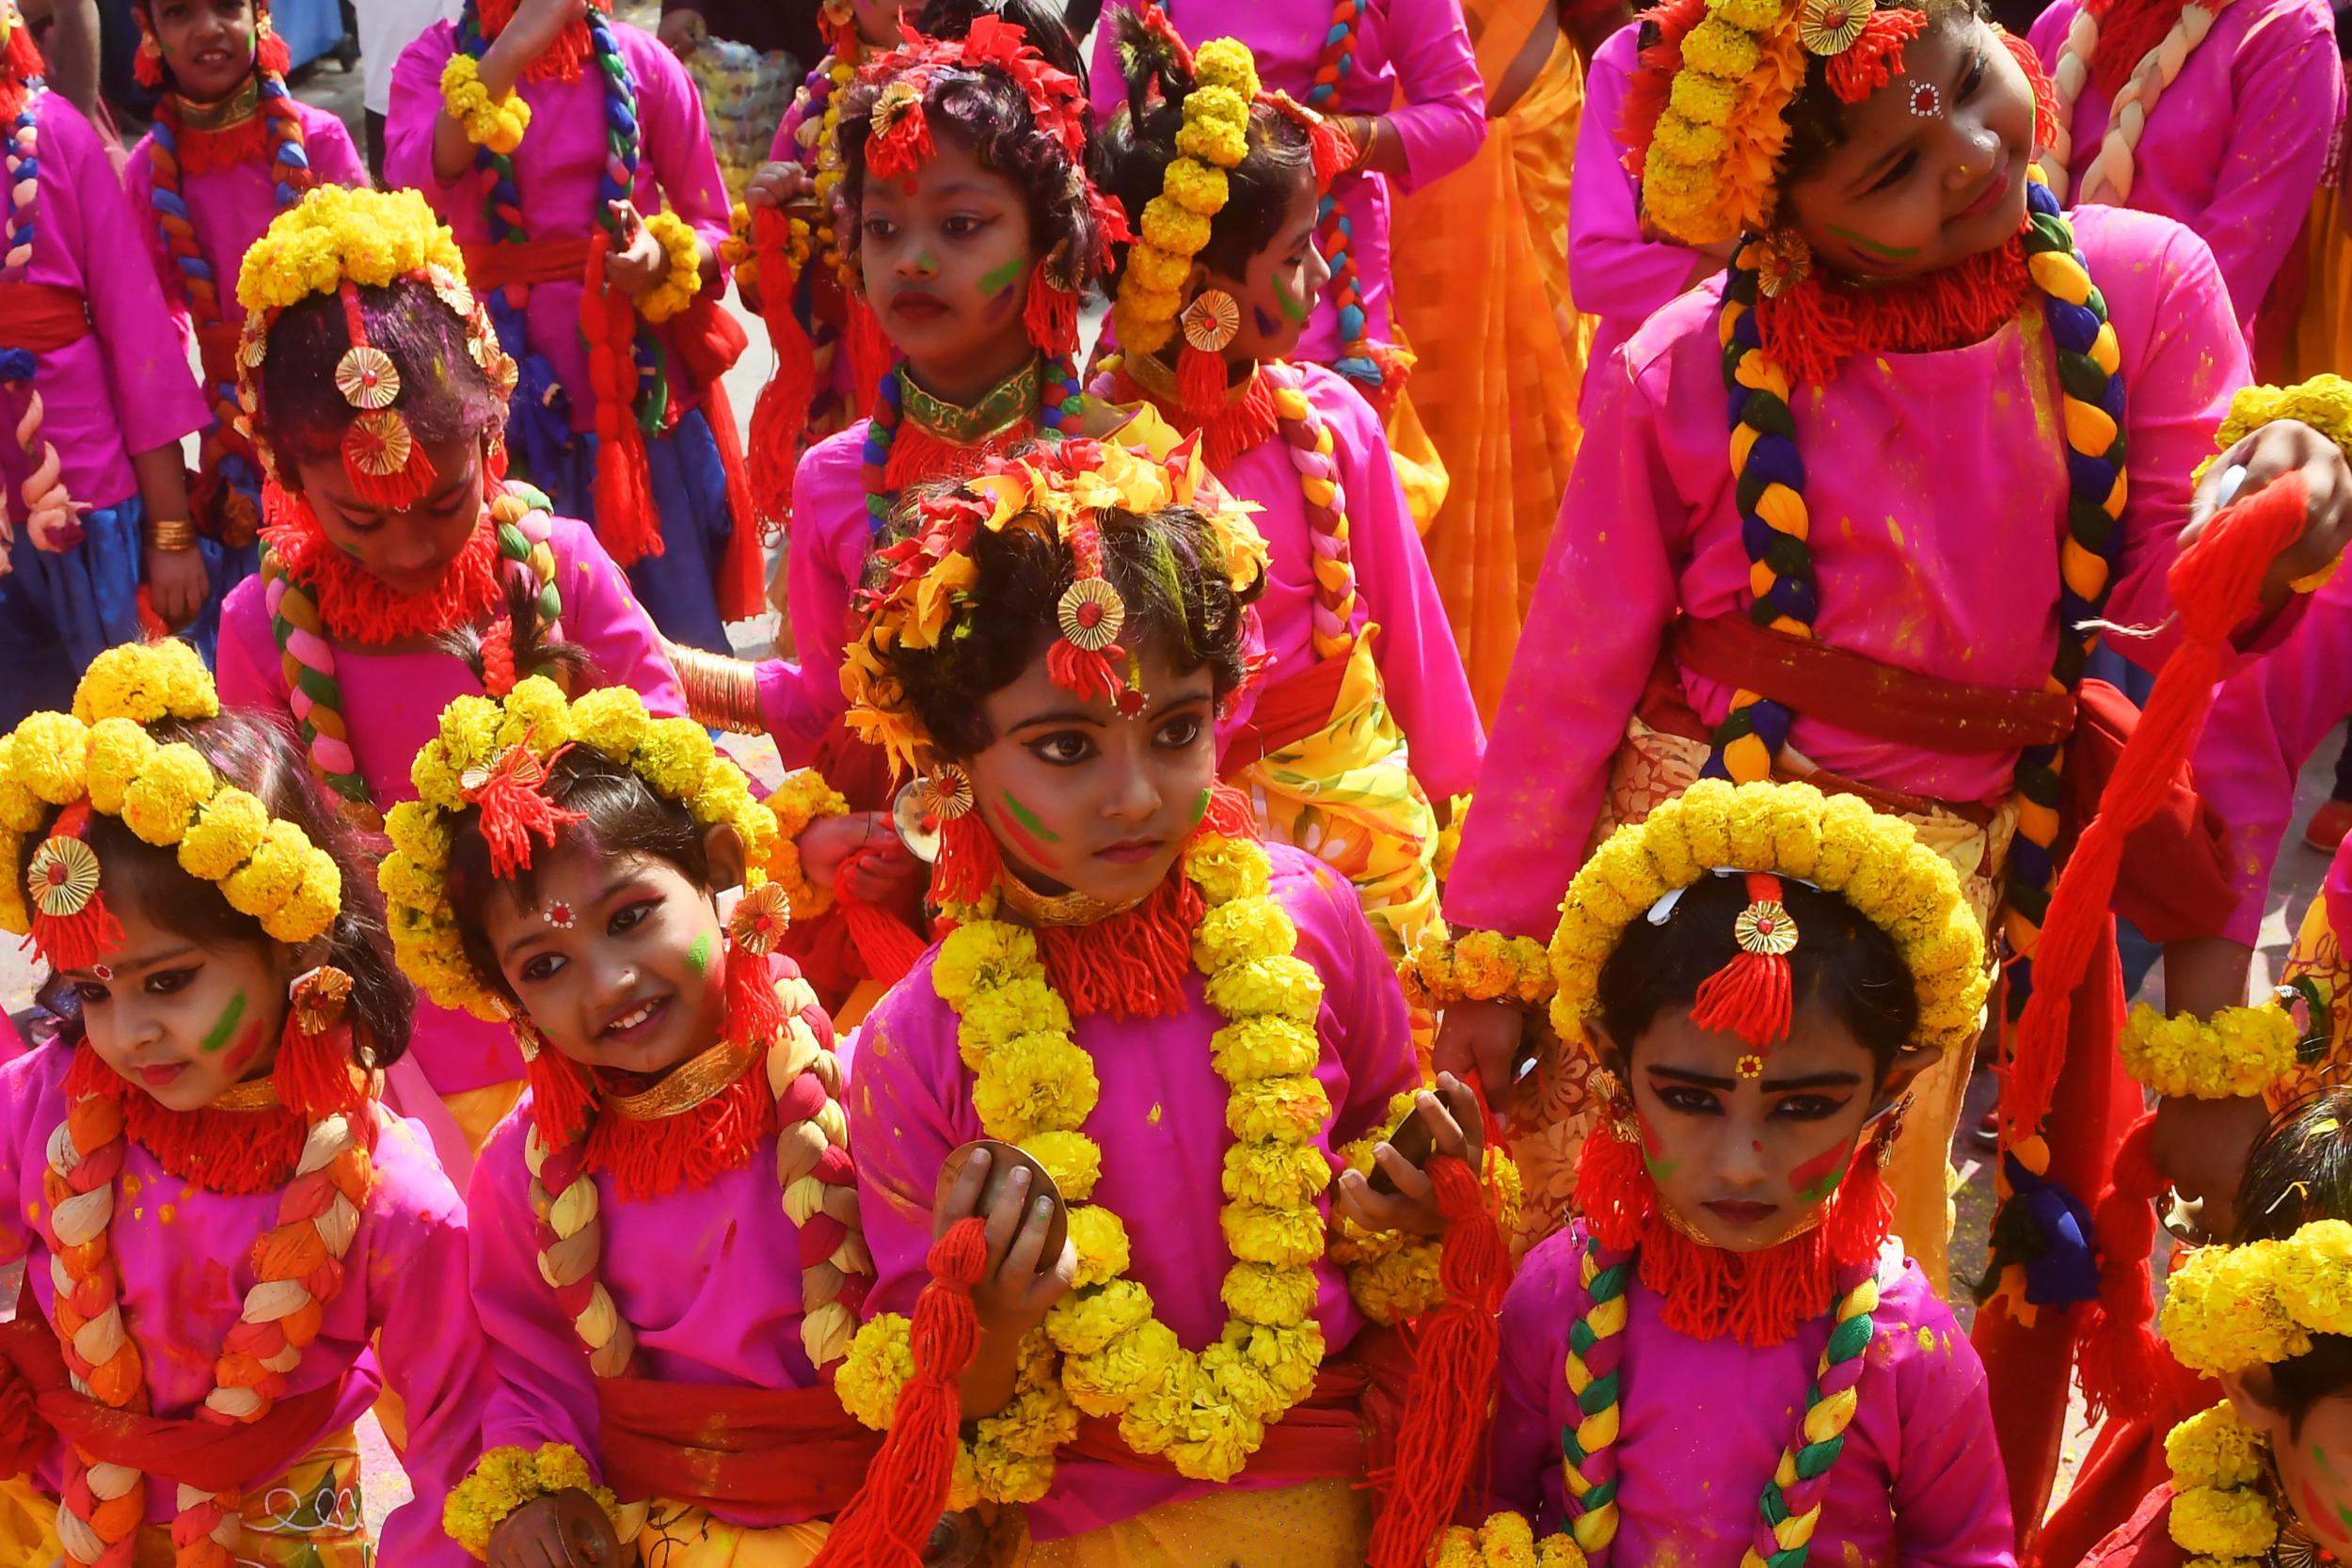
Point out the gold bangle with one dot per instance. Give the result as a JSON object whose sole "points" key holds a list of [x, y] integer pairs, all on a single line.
{"points": [[170, 533], [721, 691]]}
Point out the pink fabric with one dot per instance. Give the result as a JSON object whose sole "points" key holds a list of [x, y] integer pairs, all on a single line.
{"points": [[831, 532], [126, 387], [231, 208], [1413, 64], [557, 168], [394, 702], [1919, 1482], [1161, 1124], [183, 1253], [710, 1280], [2235, 146], [2266, 722], [1916, 569], [1613, 272]]}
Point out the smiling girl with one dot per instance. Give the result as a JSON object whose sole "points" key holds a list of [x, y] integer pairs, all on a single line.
{"points": [[1183, 1029], [229, 1246], [1761, 973], [665, 1234], [1367, 715], [231, 148], [378, 408]]}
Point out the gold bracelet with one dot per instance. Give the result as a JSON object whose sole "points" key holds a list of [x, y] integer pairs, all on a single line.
{"points": [[170, 533], [721, 691]]}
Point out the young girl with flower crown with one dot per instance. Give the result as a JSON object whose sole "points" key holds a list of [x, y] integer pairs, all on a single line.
{"points": [[1757, 974], [666, 1235], [2214, 112], [229, 149], [375, 387], [93, 405], [1160, 1021], [604, 298], [1909, 303], [1367, 717], [973, 228], [230, 1248]]}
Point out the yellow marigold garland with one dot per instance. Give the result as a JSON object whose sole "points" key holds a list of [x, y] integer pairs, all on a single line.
{"points": [[1837, 842], [497, 123], [1476, 966], [673, 755], [2324, 402], [168, 795], [509, 1477], [683, 279], [800, 800], [2236, 1053], [2229, 1308], [2218, 1513], [1176, 223], [1504, 1541], [1709, 173], [371, 238], [1393, 1275]]}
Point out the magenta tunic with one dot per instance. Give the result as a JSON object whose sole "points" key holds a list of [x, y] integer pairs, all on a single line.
{"points": [[231, 208], [126, 387], [1413, 64], [830, 534], [402, 1320], [1919, 1482], [2233, 147], [1614, 273], [1916, 569], [711, 1279], [561, 159], [1161, 1125], [394, 702]]}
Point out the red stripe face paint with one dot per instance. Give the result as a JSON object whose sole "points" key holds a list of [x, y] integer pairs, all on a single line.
{"points": [[1818, 1177], [1661, 1170], [1026, 832]]}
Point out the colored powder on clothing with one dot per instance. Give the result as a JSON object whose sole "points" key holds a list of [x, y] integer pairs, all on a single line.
{"points": [[223, 1026], [698, 956]]}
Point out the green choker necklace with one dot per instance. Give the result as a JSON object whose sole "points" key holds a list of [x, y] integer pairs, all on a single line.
{"points": [[1006, 405]]}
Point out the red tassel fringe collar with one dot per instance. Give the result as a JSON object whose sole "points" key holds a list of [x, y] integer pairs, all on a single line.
{"points": [[562, 59], [354, 604], [1241, 426], [202, 150], [238, 1153], [1817, 325]]}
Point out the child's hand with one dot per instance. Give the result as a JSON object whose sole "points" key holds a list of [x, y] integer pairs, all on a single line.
{"points": [[1483, 1038], [2280, 448], [2201, 1147], [562, 1530], [1011, 1296], [176, 584], [638, 261], [1455, 1128], [780, 186], [881, 878]]}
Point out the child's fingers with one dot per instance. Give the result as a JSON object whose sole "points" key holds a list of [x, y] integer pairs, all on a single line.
{"points": [[1004, 1216], [1412, 1184], [1028, 1244], [1370, 1209], [1445, 1132], [1462, 1101], [963, 1198]]}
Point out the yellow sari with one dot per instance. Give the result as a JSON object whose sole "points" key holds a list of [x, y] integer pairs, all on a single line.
{"points": [[1481, 270]]}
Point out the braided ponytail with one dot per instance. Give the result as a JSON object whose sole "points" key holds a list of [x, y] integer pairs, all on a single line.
{"points": [[1313, 456]]}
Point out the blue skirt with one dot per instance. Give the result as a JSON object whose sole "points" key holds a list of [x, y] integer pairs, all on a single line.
{"points": [[678, 587]]}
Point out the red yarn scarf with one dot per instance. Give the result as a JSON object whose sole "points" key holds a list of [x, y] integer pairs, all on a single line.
{"points": [[1815, 326], [562, 59], [354, 604], [2127, 30], [1758, 1298]]}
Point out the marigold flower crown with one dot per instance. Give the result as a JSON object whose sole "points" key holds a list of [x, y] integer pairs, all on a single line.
{"points": [[101, 758], [337, 242], [492, 755], [2229, 1308]]}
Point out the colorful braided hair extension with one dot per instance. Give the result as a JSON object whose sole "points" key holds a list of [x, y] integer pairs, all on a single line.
{"points": [[1377, 371], [1596, 1381], [52, 515], [1326, 494], [1791, 1505]]}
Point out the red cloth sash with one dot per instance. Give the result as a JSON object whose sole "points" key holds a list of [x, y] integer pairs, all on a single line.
{"points": [[502, 265], [775, 1451], [1854, 691], [204, 1454], [42, 317], [1288, 711]]}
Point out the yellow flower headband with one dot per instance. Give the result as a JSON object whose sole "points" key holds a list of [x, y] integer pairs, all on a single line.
{"points": [[101, 758], [337, 242], [487, 749], [2232, 1307], [1061, 493], [1837, 843]]}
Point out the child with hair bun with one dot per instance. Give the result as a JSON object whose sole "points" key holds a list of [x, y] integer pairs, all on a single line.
{"points": [[230, 1248], [1367, 717], [666, 1243], [1757, 974], [401, 569]]}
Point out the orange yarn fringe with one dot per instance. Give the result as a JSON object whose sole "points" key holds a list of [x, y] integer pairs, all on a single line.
{"points": [[781, 414], [626, 523], [1817, 325]]}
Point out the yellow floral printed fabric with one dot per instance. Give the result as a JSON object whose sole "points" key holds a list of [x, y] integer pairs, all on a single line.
{"points": [[1325, 1524], [678, 1535]]}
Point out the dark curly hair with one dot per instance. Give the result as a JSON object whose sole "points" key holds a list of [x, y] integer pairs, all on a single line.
{"points": [[444, 395], [1166, 564], [1042, 20], [2301, 1171], [1133, 152], [260, 757], [984, 112]]}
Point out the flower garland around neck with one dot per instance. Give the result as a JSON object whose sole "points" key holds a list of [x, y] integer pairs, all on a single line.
{"points": [[1035, 1085], [2145, 43]]}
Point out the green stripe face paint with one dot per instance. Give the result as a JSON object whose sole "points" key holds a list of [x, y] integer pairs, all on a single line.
{"points": [[1292, 307], [1863, 242], [224, 1026], [994, 283], [1027, 831], [1200, 808]]}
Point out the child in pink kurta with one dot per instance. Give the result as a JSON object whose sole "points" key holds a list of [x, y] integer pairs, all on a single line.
{"points": [[2232, 147], [531, 265], [91, 337]]}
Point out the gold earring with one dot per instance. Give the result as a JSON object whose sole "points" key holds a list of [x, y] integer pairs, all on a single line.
{"points": [[1212, 321]]}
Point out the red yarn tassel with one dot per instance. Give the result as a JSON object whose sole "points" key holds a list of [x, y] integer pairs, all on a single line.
{"points": [[498, 657], [1086, 672], [628, 524], [1748, 997], [870, 353], [1454, 1372], [1229, 814], [560, 1098], [514, 807], [25, 1438], [1051, 315], [965, 869], [780, 415], [313, 1074], [272, 54], [2125, 1367], [1871, 61], [884, 945], [1201, 381], [754, 1011], [889, 1522]]}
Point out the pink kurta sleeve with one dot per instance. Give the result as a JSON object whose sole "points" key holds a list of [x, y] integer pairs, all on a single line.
{"points": [[1442, 117], [603, 616], [1421, 665], [2290, 91], [1950, 1496], [908, 1111], [1603, 601], [1614, 271], [326, 142], [245, 668], [676, 139], [829, 529], [414, 116]]}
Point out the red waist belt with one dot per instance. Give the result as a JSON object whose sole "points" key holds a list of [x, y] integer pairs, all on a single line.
{"points": [[492, 266], [1288, 711], [781, 1451], [42, 318]]}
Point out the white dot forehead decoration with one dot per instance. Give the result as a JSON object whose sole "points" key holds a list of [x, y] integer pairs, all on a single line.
{"points": [[1926, 101]]}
